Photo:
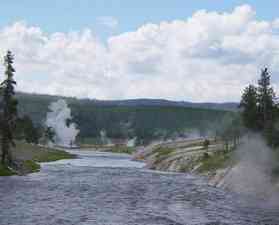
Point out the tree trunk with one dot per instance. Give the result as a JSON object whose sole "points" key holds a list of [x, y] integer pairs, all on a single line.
{"points": [[9, 157], [4, 150], [6, 156]]}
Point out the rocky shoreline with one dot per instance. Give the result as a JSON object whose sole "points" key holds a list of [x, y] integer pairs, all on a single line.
{"points": [[180, 156], [211, 161]]}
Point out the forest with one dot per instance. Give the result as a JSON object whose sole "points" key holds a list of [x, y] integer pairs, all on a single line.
{"points": [[146, 122]]}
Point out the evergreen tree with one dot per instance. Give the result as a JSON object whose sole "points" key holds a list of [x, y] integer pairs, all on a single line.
{"points": [[27, 130], [260, 112], [248, 105], [31, 133], [266, 107], [50, 134], [9, 109], [266, 104], [230, 130]]}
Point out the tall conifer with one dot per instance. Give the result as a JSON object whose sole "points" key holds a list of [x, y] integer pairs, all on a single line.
{"points": [[9, 109]]}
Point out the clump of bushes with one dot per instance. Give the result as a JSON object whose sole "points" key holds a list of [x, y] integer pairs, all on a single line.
{"points": [[5, 171], [214, 162], [206, 143]]}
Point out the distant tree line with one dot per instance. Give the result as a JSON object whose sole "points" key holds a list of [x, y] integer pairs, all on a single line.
{"points": [[230, 130], [146, 123], [26, 130], [124, 122]]}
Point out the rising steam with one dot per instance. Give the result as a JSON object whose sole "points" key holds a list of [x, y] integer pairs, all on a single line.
{"points": [[252, 173], [57, 118]]}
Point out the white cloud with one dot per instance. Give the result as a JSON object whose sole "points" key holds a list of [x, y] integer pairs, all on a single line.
{"points": [[208, 57], [108, 21]]}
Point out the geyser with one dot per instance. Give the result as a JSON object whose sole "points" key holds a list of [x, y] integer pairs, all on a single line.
{"points": [[58, 118]]}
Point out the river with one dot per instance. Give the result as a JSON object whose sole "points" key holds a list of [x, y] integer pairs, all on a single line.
{"points": [[110, 189]]}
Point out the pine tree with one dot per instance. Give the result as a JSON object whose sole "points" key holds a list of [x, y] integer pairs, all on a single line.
{"points": [[260, 112], [266, 102], [31, 133], [9, 109], [248, 105], [50, 134]]}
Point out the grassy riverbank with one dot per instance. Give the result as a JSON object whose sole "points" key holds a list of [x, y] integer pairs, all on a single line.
{"points": [[121, 149], [187, 156], [219, 160], [106, 148], [29, 156], [4, 171]]}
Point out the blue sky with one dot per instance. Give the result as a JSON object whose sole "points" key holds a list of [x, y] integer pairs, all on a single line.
{"points": [[67, 15], [141, 49]]}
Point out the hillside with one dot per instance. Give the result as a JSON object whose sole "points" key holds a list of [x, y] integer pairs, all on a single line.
{"points": [[229, 106], [145, 119]]}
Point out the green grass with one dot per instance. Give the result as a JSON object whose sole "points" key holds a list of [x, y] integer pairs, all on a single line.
{"points": [[37, 153], [162, 153], [5, 171], [52, 155], [31, 156], [88, 141], [217, 161], [121, 149], [31, 166], [194, 144], [185, 168]]}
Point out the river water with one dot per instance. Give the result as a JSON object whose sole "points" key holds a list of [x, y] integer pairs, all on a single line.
{"points": [[110, 189]]}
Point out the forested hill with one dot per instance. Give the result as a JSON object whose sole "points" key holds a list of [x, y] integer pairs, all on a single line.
{"points": [[129, 118], [229, 106]]}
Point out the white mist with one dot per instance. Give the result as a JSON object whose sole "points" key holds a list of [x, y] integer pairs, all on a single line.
{"points": [[57, 119]]}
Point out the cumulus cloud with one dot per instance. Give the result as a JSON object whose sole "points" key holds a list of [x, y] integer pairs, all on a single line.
{"points": [[208, 57]]}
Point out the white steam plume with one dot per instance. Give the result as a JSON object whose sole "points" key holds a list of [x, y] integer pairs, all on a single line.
{"points": [[57, 118], [252, 173]]}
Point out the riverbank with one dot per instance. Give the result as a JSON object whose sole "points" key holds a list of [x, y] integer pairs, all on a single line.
{"points": [[225, 169], [107, 148], [185, 156], [28, 156]]}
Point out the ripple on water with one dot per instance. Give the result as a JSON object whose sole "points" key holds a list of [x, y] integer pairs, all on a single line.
{"points": [[79, 192]]}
